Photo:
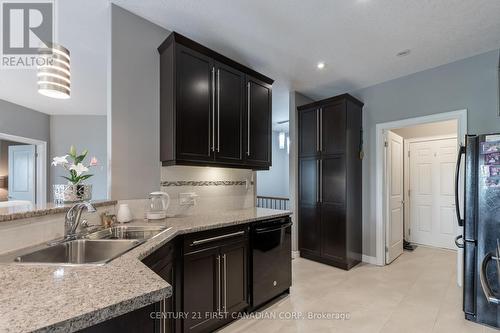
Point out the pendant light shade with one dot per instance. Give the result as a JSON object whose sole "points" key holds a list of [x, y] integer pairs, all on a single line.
{"points": [[54, 76]]}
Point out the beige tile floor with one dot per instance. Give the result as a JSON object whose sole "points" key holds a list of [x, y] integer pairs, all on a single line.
{"points": [[416, 293]]}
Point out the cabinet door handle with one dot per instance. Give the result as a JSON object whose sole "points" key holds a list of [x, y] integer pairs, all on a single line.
{"points": [[218, 283], [321, 129], [213, 109], [317, 130], [164, 315], [248, 119], [225, 282], [162, 307], [321, 181], [218, 111], [317, 181], [211, 239]]}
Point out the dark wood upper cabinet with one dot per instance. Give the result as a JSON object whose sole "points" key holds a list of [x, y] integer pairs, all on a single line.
{"points": [[330, 181], [230, 98], [194, 104], [259, 121], [309, 132], [213, 110], [333, 128]]}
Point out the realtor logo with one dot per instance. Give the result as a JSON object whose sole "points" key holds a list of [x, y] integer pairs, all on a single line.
{"points": [[26, 27]]}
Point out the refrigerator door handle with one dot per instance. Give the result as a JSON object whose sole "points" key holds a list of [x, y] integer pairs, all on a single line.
{"points": [[461, 152], [484, 281]]}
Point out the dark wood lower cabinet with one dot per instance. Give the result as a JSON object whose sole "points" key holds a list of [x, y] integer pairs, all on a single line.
{"points": [[209, 272], [234, 277], [215, 280], [136, 321], [202, 276], [309, 229], [166, 307]]}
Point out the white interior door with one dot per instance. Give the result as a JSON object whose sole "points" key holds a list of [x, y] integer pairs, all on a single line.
{"points": [[22, 173], [395, 203], [432, 208]]}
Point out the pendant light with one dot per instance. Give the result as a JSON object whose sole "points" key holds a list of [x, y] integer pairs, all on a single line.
{"points": [[54, 76]]}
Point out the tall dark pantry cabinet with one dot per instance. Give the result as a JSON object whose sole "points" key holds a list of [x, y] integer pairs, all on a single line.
{"points": [[330, 182]]}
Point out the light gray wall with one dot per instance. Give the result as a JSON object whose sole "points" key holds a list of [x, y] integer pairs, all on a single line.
{"points": [[18, 120], [84, 132], [275, 181], [27, 123], [134, 106], [296, 100], [470, 84]]}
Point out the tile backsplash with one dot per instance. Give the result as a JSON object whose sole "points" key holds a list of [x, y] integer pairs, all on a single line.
{"points": [[215, 189]]}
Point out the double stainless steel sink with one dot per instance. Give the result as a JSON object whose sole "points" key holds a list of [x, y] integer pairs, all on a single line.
{"points": [[127, 232], [95, 248]]}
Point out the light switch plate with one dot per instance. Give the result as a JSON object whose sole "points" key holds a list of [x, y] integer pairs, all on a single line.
{"points": [[187, 199]]}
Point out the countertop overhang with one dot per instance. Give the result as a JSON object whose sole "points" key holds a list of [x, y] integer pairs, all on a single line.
{"points": [[41, 298], [19, 212]]}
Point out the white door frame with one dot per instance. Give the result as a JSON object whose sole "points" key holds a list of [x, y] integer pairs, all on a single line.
{"points": [[460, 116], [406, 173], [41, 164]]}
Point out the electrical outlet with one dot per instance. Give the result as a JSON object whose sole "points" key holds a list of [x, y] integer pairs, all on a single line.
{"points": [[187, 199]]}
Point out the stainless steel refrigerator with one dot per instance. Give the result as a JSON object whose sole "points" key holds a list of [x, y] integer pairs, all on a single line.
{"points": [[481, 228]]}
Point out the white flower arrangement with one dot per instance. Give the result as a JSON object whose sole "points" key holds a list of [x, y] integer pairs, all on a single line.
{"points": [[77, 169]]}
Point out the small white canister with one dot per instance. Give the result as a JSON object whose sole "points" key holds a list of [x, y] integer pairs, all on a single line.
{"points": [[124, 214]]}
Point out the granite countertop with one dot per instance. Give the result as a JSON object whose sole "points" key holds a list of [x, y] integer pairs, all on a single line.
{"points": [[24, 211], [42, 298]]}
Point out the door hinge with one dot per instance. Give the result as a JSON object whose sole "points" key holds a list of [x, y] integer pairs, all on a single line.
{"points": [[409, 232], [386, 144], [386, 249], [409, 191], [408, 153]]}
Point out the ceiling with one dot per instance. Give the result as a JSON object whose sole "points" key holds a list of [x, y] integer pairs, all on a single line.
{"points": [[284, 39], [357, 39]]}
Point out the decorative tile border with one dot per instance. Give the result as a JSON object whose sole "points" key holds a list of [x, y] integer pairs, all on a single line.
{"points": [[205, 183]]}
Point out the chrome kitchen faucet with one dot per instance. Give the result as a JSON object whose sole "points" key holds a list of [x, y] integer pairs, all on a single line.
{"points": [[73, 217]]}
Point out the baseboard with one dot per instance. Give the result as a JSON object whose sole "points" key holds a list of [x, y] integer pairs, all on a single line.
{"points": [[369, 259], [365, 258]]}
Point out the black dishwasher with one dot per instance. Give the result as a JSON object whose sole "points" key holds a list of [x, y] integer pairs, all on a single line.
{"points": [[271, 243]]}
